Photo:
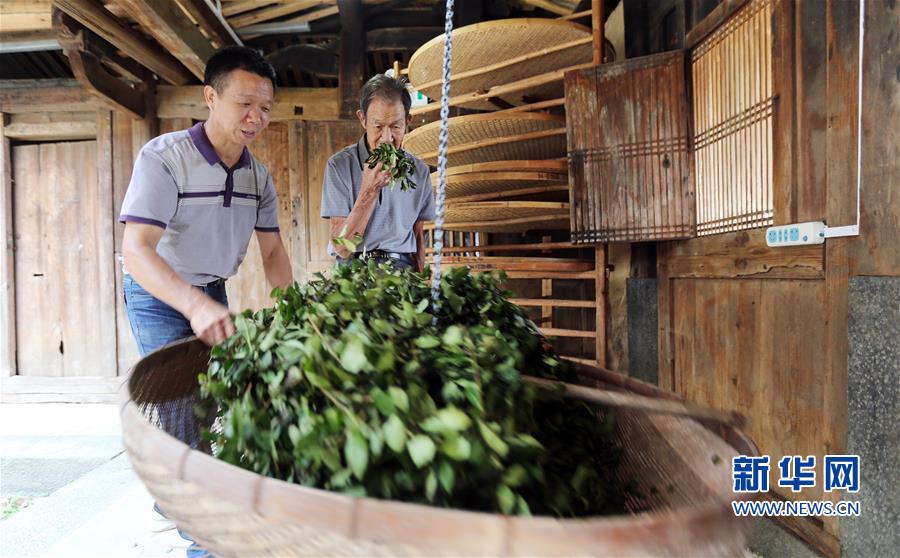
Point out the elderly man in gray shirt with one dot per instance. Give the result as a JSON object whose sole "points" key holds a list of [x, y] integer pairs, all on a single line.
{"points": [[354, 196]]}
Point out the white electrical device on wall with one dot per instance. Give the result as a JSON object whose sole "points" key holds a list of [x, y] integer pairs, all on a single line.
{"points": [[797, 234]]}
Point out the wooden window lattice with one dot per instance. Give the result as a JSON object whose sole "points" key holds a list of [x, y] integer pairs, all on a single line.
{"points": [[733, 111]]}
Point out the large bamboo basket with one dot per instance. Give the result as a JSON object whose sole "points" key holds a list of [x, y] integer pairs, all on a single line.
{"points": [[499, 52], [682, 465]]}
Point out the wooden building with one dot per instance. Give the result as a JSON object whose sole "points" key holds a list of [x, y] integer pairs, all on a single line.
{"points": [[708, 122]]}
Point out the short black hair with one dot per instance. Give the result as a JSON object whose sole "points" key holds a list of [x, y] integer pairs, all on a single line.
{"points": [[387, 88], [230, 58]]}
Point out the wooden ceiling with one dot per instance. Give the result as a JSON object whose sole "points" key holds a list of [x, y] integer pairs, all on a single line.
{"points": [[171, 39]]}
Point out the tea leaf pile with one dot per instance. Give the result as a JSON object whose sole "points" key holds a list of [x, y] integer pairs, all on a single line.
{"points": [[347, 385]]}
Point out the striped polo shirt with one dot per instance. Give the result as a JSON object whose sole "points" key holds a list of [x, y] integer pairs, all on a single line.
{"points": [[207, 210], [391, 226]]}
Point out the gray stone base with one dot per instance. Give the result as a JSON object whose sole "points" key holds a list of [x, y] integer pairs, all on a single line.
{"points": [[874, 416], [768, 540], [643, 317]]}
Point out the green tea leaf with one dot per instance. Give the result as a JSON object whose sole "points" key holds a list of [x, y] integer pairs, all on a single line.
{"points": [[421, 450], [401, 400], [506, 499], [457, 447], [395, 434], [492, 440], [356, 451], [353, 358]]}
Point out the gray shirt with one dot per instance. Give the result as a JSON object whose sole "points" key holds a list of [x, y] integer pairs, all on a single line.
{"points": [[391, 226], [207, 210]]}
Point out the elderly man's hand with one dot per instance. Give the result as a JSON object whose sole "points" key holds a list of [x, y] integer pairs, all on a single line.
{"points": [[375, 179]]}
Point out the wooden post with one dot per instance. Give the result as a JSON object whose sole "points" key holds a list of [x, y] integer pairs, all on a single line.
{"points": [[353, 55], [598, 33], [106, 249], [600, 297], [7, 260]]}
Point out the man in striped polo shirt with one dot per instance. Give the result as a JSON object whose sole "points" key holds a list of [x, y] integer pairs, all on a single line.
{"points": [[195, 198], [391, 222]]}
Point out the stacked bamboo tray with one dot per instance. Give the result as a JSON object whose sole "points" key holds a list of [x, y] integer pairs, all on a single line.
{"points": [[507, 171]]}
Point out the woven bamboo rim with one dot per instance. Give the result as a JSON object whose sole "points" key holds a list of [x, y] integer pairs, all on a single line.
{"points": [[234, 512], [479, 138], [500, 183], [553, 222], [516, 263], [502, 210], [502, 51], [559, 166]]}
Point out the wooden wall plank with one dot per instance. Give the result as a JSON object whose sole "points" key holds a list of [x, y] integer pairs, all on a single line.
{"points": [[737, 348], [842, 21], [291, 103], [7, 259], [323, 140], [743, 254], [812, 125], [785, 118], [298, 234], [877, 249], [249, 288]]}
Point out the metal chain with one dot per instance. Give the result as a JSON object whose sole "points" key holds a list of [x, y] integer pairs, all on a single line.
{"points": [[442, 161]]}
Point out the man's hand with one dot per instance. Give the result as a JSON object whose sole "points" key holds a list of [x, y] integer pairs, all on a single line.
{"points": [[375, 179], [210, 320]]}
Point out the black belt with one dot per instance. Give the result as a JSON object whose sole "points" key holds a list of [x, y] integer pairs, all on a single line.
{"points": [[384, 255], [213, 284]]}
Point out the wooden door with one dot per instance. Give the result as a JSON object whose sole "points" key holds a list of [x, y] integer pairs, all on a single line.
{"points": [[65, 283]]}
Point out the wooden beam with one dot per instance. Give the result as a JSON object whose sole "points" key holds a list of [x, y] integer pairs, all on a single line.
{"points": [[7, 259], [44, 95], [165, 22], [554, 302], [557, 332], [274, 12], [291, 103], [211, 22], [93, 15], [597, 30], [63, 130], [353, 55], [549, 6], [23, 17], [400, 38], [90, 74], [109, 56], [312, 59]]}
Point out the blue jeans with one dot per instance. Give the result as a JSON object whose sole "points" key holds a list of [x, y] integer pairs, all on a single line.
{"points": [[155, 324]]}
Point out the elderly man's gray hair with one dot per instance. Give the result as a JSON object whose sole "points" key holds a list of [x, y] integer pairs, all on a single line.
{"points": [[387, 88]]}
